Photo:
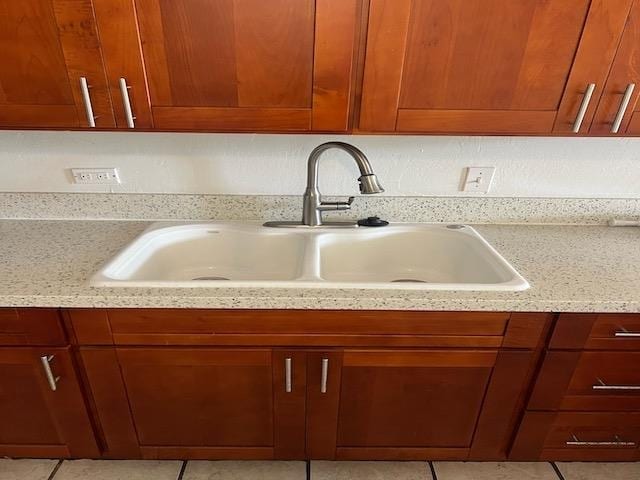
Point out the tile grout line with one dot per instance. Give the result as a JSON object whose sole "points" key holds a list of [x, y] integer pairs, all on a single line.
{"points": [[182, 469], [55, 470], [557, 470], [433, 470]]}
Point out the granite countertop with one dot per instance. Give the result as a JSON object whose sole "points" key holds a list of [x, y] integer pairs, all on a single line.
{"points": [[46, 263]]}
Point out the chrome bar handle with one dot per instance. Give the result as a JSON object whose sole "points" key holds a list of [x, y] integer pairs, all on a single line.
{"points": [[86, 98], [575, 442], [625, 334], [51, 378], [577, 125], [615, 128], [603, 386], [324, 376], [288, 364], [126, 102]]}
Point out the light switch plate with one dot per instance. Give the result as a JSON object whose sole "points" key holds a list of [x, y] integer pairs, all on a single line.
{"points": [[103, 176], [478, 179]]}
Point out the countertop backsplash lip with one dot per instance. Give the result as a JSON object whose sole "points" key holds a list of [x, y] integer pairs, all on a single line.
{"points": [[199, 207]]}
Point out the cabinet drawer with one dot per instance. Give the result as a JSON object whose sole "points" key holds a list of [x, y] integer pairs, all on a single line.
{"points": [[578, 436], [597, 332], [306, 328], [31, 326], [588, 381], [605, 381], [594, 435]]}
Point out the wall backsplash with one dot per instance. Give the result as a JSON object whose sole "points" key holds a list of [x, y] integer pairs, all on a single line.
{"points": [[276, 164]]}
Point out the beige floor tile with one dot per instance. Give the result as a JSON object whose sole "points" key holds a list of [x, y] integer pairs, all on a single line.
{"points": [[26, 469], [245, 470], [599, 471], [370, 471], [118, 470], [494, 471]]}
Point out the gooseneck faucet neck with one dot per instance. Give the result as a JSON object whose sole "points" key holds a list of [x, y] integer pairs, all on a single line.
{"points": [[314, 161]]}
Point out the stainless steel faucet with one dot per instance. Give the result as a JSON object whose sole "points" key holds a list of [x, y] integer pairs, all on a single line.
{"points": [[313, 206]]}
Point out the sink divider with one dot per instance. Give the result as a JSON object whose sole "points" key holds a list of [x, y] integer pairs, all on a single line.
{"points": [[311, 261]]}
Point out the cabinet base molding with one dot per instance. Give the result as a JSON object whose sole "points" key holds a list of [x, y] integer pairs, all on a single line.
{"points": [[393, 453], [207, 453]]}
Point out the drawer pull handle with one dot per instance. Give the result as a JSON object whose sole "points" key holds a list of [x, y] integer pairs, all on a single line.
{"points": [[625, 334], [603, 386], [584, 106], [51, 378], [615, 128], [617, 442], [324, 375], [288, 367]]}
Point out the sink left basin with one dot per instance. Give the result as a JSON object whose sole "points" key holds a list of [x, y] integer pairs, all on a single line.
{"points": [[185, 255]]}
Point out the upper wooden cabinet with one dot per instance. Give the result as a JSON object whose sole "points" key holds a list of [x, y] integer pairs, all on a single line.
{"points": [[526, 67], [230, 65], [618, 109], [488, 66], [47, 47]]}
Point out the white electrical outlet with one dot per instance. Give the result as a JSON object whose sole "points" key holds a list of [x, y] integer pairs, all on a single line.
{"points": [[104, 176], [478, 179]]}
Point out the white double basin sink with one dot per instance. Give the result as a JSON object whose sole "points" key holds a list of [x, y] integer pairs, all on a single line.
{"points": [[398, 256]]}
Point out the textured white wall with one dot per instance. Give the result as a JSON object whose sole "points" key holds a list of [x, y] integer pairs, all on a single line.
{"points": [[275, 164]]}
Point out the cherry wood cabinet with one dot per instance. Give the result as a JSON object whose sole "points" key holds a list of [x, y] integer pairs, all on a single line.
{"points": [[47, 47], [199, 403], [414, 399], [540, 67], [617, 112], [40, 416], [231, 65], [487, 66], [307, 384], [585, 403], [35, 420]]}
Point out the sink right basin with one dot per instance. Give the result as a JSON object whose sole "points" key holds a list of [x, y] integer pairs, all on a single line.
{"points": [[431, 256]]}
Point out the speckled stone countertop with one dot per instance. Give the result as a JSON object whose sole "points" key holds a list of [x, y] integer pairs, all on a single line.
{"points": [[46, 263]]}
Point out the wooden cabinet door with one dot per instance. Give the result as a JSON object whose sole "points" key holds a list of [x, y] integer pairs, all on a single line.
{"points": [[46, 47], [199, 403], [36, 421], [487, 66], [618, 112], [410, 404], [232, 65]]}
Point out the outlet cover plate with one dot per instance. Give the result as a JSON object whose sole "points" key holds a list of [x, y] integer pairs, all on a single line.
{"points": [[95, 176]]}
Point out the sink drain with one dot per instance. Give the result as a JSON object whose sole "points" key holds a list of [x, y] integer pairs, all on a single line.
{"points": [[407, 280], [210, 278]]}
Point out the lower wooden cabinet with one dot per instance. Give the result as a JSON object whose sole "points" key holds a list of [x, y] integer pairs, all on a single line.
{"points": [[578, 436], [227, 384], [264, 403], [585, 403], [393, 401], [41, 415]]}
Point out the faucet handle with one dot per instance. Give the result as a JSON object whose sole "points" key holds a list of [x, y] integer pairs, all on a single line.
{"points": [[336, 205]]}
